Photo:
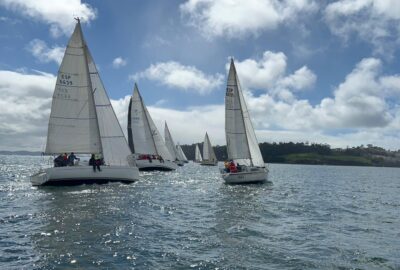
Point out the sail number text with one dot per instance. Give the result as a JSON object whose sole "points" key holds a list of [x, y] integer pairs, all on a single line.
{"points": [[229, 92], [65, 79]]}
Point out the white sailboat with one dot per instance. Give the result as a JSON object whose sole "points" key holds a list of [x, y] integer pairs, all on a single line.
{"points": [[171, 146], [242, 145], [209, 158], [83, 121], [148, 146], [181, 154], [197, 155]]}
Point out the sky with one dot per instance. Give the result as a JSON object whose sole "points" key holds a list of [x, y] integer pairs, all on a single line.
{"points": [[314, 71]]}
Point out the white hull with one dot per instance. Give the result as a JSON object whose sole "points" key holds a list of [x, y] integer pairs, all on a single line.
{"points": [[155, 165], [209, 163], [76, 175], [250, 175]]}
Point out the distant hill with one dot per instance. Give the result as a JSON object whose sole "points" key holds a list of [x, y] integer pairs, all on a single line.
{"points": [[304, 153], [21, 153]]}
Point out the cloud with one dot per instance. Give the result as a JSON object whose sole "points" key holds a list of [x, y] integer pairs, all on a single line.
{"points": [[270, 74], [43, 53], [25, 101], [176, 75], [373, 21], [236, 19], [119, 62], [58, 14]]}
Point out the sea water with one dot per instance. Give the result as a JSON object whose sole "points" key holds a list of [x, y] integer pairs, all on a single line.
{"points": [[307, 217]]}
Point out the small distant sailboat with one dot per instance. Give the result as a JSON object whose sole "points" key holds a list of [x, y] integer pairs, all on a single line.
{"points": [[241, 139], [181, 154], [209, 158], [197, 154], [83, 121], [171, 146], [147, 144]]}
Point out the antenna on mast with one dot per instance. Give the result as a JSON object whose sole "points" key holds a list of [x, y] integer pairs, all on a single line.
{"points": [[77, 19]]}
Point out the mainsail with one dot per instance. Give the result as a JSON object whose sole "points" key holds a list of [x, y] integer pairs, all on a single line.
{"points": [[170, 143], [73, 125], [197, 154], [143, 135], [241, 140], [208, 151]]}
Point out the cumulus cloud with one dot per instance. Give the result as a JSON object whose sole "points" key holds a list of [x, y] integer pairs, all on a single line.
{"points": [[235, 18], [43, 53], [373, 21], [119, 62], [270, 73], [58, 14], [176, 75], [25, 101]]}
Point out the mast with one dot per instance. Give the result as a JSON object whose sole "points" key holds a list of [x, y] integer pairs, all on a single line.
{"points": [[85, 52]]}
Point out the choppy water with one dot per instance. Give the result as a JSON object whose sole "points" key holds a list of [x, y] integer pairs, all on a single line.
{"points": [[309, 217]]}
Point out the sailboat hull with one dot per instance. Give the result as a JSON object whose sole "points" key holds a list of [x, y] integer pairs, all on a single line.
{"points": [[251, 175], [78, 175], [155, 165]]}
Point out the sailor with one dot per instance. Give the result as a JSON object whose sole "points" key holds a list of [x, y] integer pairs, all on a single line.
{"points": [[226, 164], [71, 159], [58, 161], [232, 167]]}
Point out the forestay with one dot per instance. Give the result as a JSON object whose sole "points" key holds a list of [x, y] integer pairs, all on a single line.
{"points": [[241, 140], [73, 124], [115, 146]]}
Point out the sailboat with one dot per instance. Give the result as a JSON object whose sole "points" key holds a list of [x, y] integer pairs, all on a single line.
{"points": [[83, 121], [148, 146], [197, 154], [209, 157], [181, 154], [242, 145], [171, 146]]}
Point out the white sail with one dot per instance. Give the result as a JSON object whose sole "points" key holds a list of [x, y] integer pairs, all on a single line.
{"points": [[73, 123], [181, 154], [197, 154], [208, 151], [143, 135], [170, 143], [139, 133], [241, 140], [113, 141]]}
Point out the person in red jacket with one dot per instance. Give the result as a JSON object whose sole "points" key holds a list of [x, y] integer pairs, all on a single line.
{"points": [[232, 167]]}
